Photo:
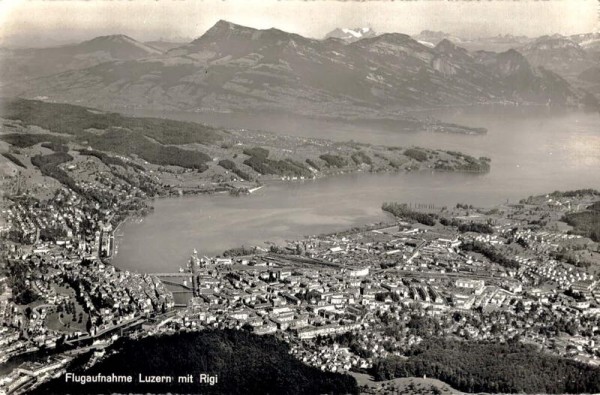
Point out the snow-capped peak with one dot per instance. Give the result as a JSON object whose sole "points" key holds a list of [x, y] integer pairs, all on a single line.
{"points": [[355, 33], [350, 35]]}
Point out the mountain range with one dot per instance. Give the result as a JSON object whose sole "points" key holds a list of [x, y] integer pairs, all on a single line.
{"points": [[237, 68], [588, 42], [560, 54], [575, 57]]}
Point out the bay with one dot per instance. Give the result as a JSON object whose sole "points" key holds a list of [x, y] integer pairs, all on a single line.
{"points": [[533, 151]]}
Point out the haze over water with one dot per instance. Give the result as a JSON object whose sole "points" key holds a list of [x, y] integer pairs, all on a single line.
{"points": [[533, 151]]}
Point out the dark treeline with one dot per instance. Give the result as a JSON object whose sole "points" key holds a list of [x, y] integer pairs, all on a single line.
{"points": [[56, 147], [110, 160], [401, 210], [299, 165], [360, 158], [48, 165], [13, 159], [472, 164], [123, 142], [461, 127], [244, 363], [54, 159], [144, 137], [570, 257], [232, 167], [575, 193], [416, 154], [21, 289], [142, 182], [586, 223], [276, 167], [29, 140], [260, 163], [239, 251], [126, 143], [490, 252], [74, 120], [312, 164], [258, 152], [464, 227], [464, 206], [594, 206], [491, 367], [334, 160]]}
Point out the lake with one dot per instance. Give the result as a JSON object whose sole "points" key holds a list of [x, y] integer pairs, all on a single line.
{"points": [[533, 151]]}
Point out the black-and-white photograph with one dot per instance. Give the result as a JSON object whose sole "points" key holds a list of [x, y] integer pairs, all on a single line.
{"points": [[299, 197]]}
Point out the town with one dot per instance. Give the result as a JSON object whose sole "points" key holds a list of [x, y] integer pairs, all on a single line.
{"points": [[65, 193], [353, 197], [342, 301], [389, 287]]}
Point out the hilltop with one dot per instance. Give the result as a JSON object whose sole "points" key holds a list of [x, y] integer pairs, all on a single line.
{"points": [[28, 63]]}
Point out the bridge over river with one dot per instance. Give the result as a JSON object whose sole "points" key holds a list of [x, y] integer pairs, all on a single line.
{"points": [[166, 275]]}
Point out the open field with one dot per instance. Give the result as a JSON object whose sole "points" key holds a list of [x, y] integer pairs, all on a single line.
{"points": [[405, 385]]}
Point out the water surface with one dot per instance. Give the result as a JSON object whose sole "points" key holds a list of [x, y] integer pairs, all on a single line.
{"points": [[533, 151]]}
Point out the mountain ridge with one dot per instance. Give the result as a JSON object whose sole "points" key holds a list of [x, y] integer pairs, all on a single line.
{"points": [[233, 67], [27, 63]]}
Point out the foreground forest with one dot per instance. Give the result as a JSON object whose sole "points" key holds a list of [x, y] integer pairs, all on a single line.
{"points": [[244, 363]]}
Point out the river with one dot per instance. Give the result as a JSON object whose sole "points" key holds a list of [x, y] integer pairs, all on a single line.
{"points": [[533, 151]]}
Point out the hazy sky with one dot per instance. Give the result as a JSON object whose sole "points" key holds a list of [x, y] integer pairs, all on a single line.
{"points": [[39, 23]]}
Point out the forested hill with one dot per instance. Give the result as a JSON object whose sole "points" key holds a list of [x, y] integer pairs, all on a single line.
{"points": [[244, 363], [491, 367], [220, 155]]}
